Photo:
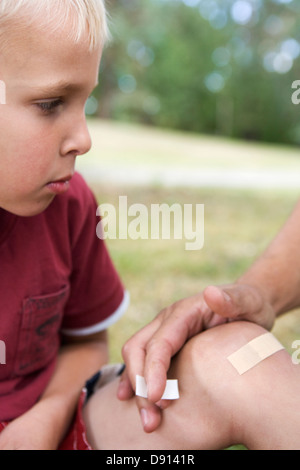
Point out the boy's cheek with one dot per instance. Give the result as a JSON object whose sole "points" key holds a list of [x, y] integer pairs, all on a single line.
{"points": [[11, 119], [20, 126]]}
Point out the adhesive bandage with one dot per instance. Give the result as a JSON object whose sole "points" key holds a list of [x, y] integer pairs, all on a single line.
{"points": [[171, 391], [254, 352]]}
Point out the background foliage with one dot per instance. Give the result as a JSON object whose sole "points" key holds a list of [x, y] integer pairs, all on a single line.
{"points": [[222, 67]]}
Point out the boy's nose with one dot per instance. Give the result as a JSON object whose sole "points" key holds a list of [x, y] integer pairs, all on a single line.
{"points": [[79, 141]]}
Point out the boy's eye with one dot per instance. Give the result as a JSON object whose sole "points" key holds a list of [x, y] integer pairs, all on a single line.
{"points": [[48, 107]]}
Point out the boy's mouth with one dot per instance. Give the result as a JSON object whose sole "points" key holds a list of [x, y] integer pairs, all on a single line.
{"points": [[67, 179], [60, 186]]}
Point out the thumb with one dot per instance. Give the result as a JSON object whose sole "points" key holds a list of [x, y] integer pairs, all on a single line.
{"points": [[234, 301]]}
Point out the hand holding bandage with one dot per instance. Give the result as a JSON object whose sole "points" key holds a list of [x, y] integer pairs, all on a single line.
{"points": [[152, 348], [171, 391]]}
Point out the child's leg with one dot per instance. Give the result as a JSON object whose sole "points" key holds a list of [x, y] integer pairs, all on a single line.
{"points": [[217, 406]]}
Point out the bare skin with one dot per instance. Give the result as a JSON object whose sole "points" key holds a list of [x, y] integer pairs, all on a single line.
{"points": [[217, 407]]}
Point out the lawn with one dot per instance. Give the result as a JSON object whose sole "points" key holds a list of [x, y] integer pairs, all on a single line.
{"points": [[135, 154], [238, 227], [118, 144]]}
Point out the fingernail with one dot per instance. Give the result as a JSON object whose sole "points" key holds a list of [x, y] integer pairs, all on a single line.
{"points": [[144, 417], [160, 404], [121, 388], [226, 296]]}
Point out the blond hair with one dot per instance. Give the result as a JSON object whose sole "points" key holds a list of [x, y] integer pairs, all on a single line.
{"points": [[84, 16]]}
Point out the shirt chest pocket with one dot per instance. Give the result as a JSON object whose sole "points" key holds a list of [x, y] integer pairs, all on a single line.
{"points": [[39, 338]]}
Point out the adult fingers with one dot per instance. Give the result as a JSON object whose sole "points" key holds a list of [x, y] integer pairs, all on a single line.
{"points": [[181, 321], [125, 390], [134, 353], [150, 413]]}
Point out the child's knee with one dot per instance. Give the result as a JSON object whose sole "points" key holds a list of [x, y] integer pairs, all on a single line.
{"points": [[213, 346], [210, 388], [204, 359]]}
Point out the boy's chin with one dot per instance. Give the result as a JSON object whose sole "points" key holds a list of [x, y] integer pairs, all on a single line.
{"points": [[33, 209]]}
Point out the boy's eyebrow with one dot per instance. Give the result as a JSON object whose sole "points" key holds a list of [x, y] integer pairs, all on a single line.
{"points": [[59, 87]]}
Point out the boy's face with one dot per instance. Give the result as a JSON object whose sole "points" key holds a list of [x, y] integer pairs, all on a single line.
{"points": [[42, 125]]}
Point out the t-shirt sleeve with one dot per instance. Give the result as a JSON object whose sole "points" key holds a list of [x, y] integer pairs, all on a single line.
{"points": [[97, 295]]}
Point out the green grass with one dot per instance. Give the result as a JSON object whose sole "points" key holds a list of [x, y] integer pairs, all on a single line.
{"points": [[238, 227]]}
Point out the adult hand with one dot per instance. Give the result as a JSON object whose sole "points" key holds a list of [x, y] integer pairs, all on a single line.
{"points": [[149, 352]]}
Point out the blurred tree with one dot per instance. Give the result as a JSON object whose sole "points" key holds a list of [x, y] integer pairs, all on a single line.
{"points": [[221, 67]]}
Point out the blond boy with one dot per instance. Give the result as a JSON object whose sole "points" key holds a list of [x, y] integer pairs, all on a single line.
{"points": [[59, 290]]}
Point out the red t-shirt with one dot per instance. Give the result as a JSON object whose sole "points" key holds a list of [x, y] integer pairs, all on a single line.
{"points": [[55, 276]]}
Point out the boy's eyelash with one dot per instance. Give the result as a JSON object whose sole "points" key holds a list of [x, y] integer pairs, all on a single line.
{"points": [[48, 106]]}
